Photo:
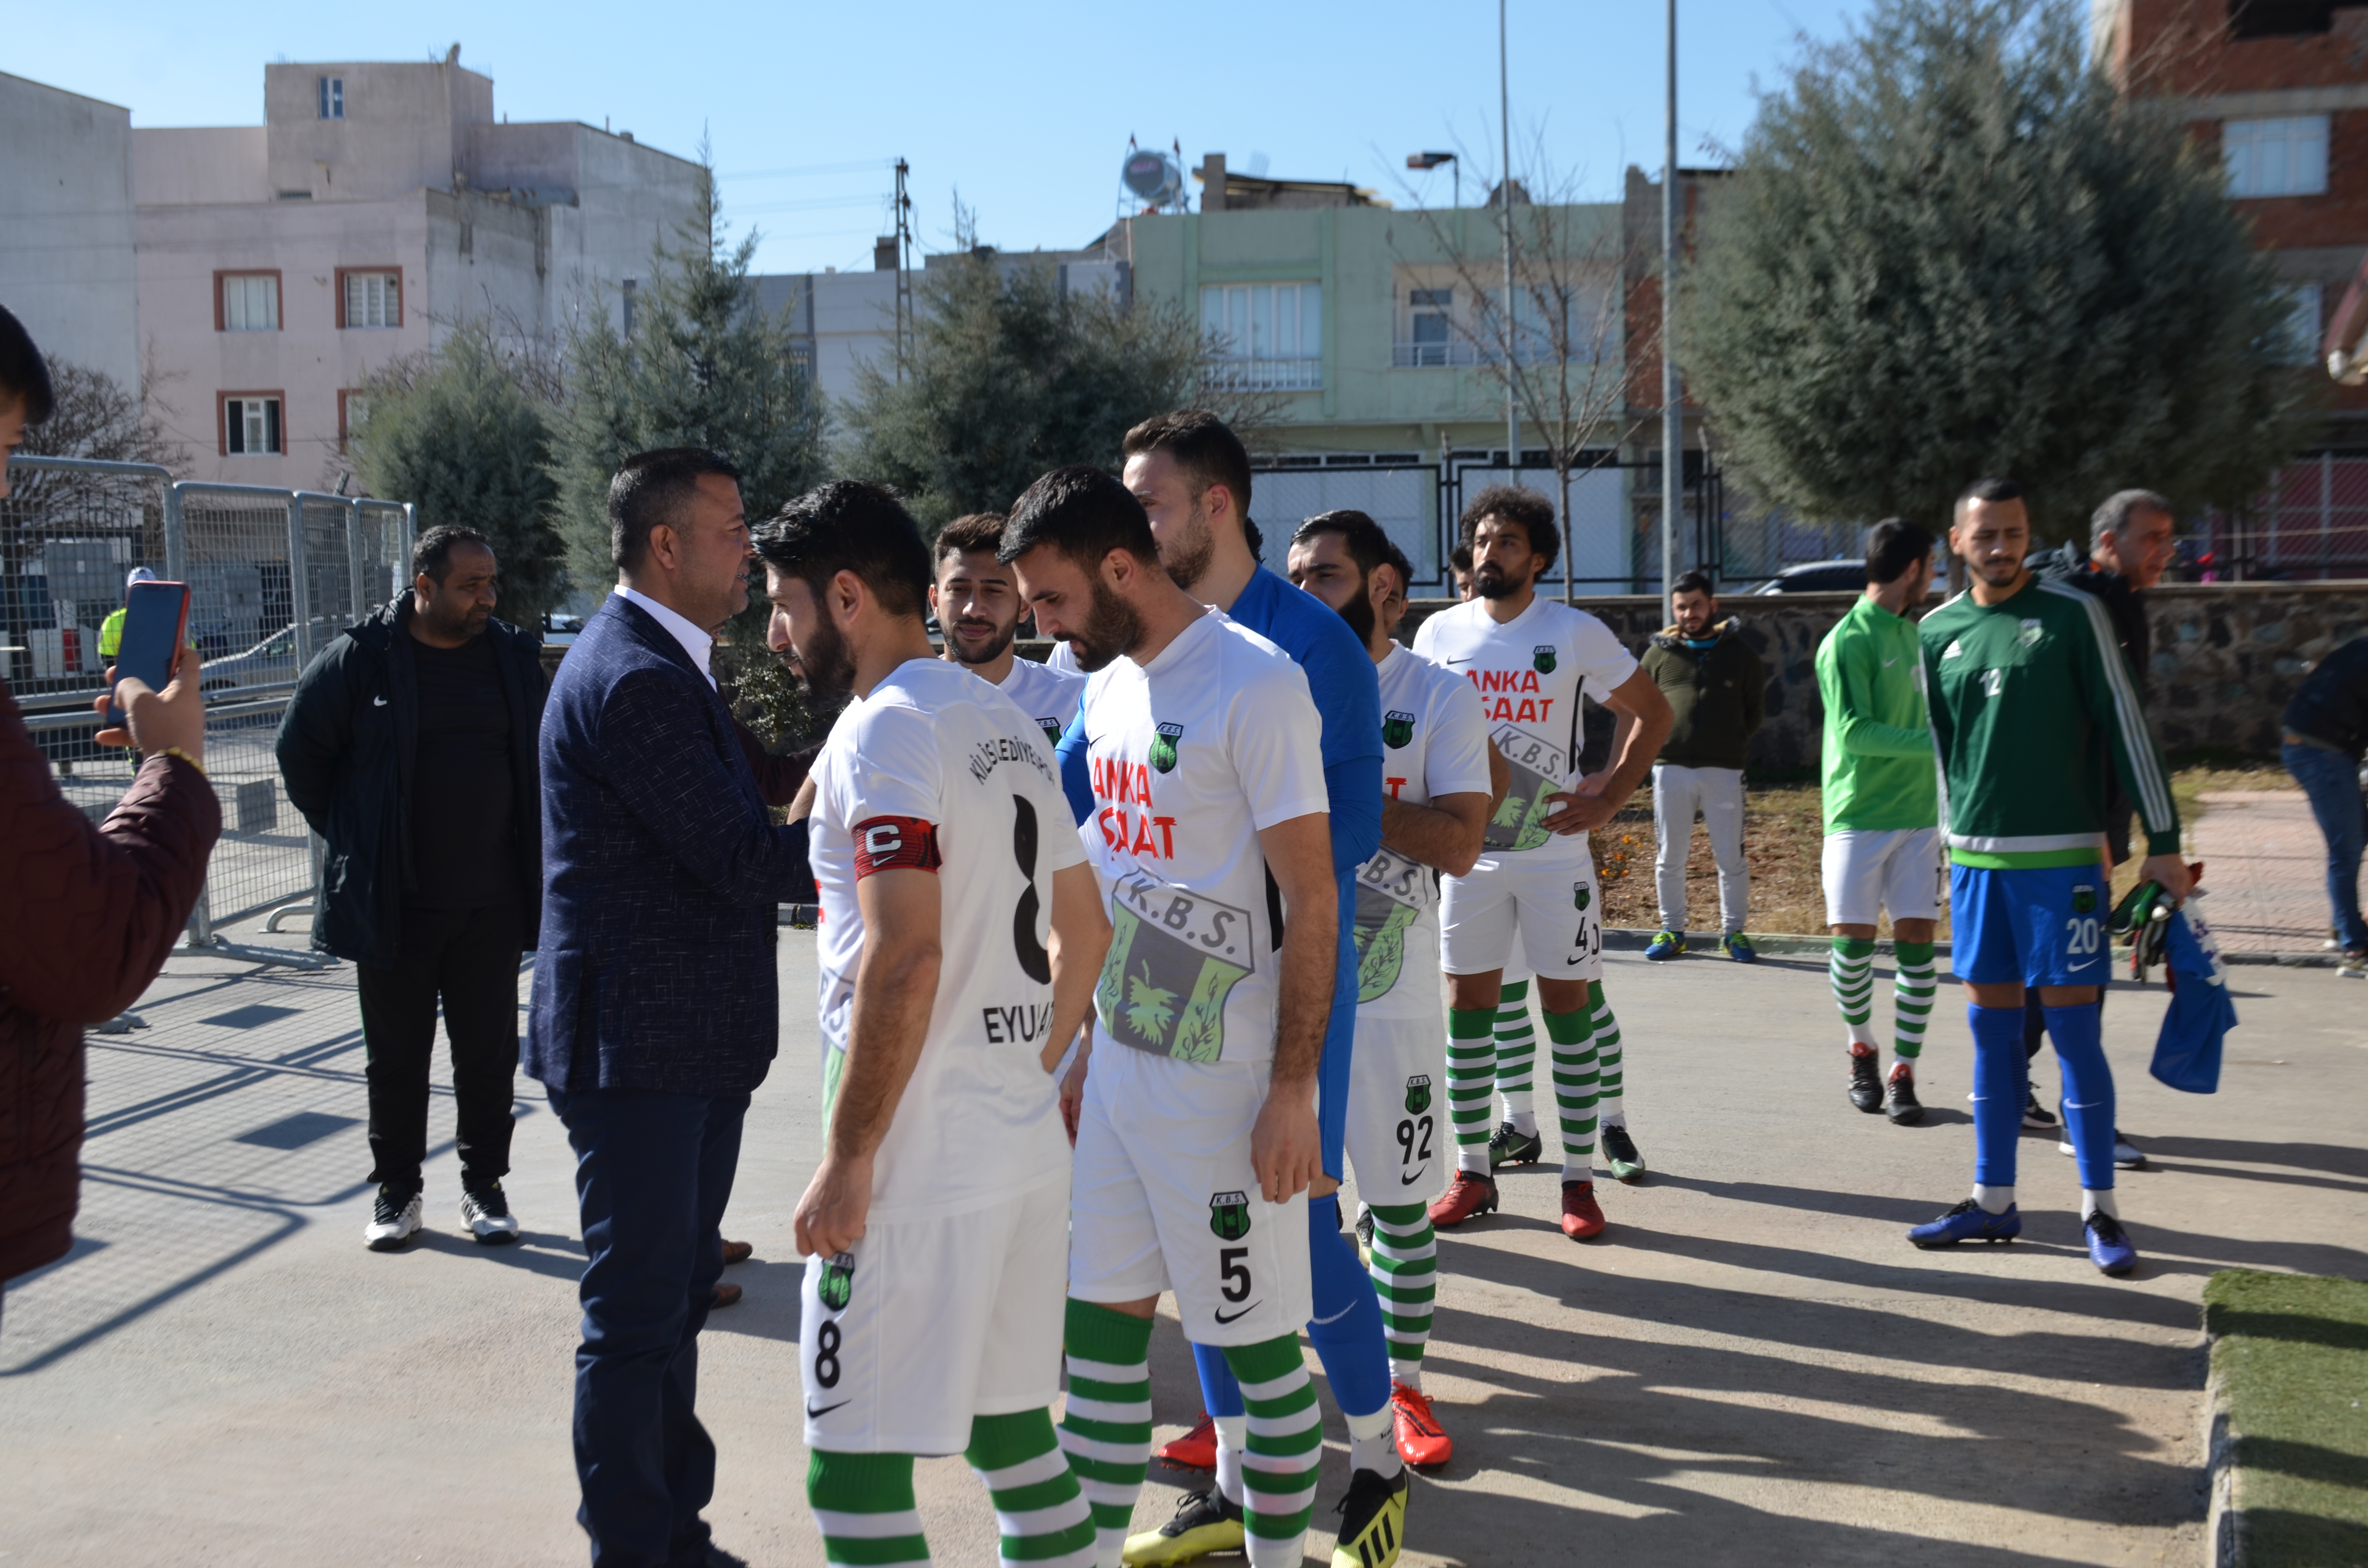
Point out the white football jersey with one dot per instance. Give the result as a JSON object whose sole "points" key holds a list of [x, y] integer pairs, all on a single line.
{"points": [[1060, 661], [1434, 743], [937, 769], [1191, 756], [1048, 696], [1529, 672]]}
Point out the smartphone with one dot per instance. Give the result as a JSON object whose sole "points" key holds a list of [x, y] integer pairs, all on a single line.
{"points": [[156, 621]]}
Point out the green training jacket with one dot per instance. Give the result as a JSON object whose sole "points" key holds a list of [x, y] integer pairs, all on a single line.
{"points": [[1877, 757], [2031, 703]]}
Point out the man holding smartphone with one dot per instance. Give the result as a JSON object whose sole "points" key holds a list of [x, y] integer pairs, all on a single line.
{"points": [[410, 748]]}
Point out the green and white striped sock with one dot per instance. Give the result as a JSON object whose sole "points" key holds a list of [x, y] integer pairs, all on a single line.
{"points": [[1471, 1083], [1517, 1054], [1911, 998], [864, 1505], [1403, 1264], [1610, 1080], [1285, 1442], [1039, 1508], [1106, 1428], [1851, 970], [1575, 1079]]}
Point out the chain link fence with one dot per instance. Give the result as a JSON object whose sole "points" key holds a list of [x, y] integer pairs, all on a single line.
{"points": [[273, 575]]}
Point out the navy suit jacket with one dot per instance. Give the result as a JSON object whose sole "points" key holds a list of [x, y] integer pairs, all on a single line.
{"points": [[661, 875]]}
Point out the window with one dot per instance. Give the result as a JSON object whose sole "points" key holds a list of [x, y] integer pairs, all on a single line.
{"points": [[2304, 322], [333, 98], [353, 407], [370, 299], [1265, 334], [246, 301], [251, 424], [2279, 19], [2275, 158], [1429, 324]]}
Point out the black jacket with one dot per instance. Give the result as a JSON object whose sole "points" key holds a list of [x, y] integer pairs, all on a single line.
{"points": [[346, 748], [1717, 695], [2124, 604], [2332, 704]]}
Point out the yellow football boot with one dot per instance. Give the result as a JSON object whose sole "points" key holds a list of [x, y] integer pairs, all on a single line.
{"points": [[1204, 1522], [1372, 1521]]}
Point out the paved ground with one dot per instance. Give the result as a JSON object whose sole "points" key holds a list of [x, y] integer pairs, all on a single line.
{"points": [[2265, 869], [1752, 1367]]}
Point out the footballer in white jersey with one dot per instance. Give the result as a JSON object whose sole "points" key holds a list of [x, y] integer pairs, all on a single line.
{"points": [[959, 934], [976, 600]]}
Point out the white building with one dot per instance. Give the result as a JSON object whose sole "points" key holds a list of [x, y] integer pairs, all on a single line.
{"points": [[378, 205], [66, 226]]}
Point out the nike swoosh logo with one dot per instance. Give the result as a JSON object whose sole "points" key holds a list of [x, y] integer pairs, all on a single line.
{"points": [[1224, 1318], [1888, 663], [1455, 660], [378, 701], [1573, 963], [813, 1414], [1410, 1181]]}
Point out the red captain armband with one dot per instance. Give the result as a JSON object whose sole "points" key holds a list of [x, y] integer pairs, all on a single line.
{"points": [[894, 844]]}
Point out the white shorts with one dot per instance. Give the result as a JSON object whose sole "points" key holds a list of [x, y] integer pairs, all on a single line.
{"points": [[1901, 869], [1550, 901], [1164, 1198], [1399, 1140], [929, 1323]]}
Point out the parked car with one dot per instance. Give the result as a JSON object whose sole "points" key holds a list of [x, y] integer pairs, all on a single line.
{"points": [[269, 662], [560, 629], [1817, 577]]}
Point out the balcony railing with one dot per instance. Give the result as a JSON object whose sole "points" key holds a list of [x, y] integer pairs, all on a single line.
{"points": [[1264, 375], [1463, 351]]}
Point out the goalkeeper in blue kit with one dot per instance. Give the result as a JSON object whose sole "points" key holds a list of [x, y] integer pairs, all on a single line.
{"points": [[2031, 705]]}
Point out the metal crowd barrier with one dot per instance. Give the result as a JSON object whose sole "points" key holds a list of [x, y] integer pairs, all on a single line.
{"points": [[274, 576]]}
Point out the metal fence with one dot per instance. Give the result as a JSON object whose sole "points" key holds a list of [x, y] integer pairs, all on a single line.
{"points": [[2312, 522], [273, 574]]}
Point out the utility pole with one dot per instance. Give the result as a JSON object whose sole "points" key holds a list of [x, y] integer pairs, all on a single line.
{"points": [[1673, 414], [903, 269], [1505, 201]]}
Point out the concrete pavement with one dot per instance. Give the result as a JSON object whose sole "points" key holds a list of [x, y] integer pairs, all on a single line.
{"points": [[1752, 1367]]}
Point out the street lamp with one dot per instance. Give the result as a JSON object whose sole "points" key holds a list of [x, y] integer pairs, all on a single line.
{"points": [[1429, 161]]}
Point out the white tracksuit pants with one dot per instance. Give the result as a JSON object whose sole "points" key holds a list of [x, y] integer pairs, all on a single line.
{"points": [[1717, 794]]}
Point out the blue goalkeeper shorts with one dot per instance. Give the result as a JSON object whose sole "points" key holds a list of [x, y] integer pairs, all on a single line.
{"points": [[2037, 925]]}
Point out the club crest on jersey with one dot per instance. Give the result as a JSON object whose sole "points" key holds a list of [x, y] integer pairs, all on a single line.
{"points": [[1162, 747], [2084, 899], [1543, 658], [1229, 1215], [1581, 895], [1397, 729], [1052, 729], [1417, 1099], [838, 1282], [2031, 633]]}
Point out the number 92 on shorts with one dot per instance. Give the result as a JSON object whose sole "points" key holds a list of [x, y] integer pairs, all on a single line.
{"points": [[2035, 925]]}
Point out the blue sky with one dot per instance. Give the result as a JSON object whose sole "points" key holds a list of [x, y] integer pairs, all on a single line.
{"points": [[1025, 110]]}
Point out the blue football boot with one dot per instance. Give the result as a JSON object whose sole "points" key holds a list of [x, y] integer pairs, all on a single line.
{"points": [[1667, 946], [2109, 1244], [1968, 1221]]}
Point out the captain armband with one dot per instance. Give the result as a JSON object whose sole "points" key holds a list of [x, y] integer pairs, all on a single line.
{"points": [[893, 844]]}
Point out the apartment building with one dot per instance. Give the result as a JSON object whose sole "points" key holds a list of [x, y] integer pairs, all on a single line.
{"points": [[1360, 330], [378, 205], [65, 241]]}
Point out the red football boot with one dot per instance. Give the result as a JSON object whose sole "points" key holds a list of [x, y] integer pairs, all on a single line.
{"points": [[1421, 1439], [1196, 1449], [1471, 1193], [1581, 1218]]}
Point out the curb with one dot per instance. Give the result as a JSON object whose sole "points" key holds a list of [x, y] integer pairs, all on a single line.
{"points": [[1632, 939], [2224, 1518]]}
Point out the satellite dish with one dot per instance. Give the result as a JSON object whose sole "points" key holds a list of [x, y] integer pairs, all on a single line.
{"points": [[1154, 177]]}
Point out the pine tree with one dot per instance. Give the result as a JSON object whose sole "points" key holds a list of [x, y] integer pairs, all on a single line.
{"points": [[702, 367], [1952, 248], [464, 441], [1008, 376]]}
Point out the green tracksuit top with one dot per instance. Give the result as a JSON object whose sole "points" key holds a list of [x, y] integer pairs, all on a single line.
{"points": [[2031, 703], [1879, 773]]}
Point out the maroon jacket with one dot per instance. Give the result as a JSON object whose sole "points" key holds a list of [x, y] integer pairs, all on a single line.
{"points": [[86, 922]]}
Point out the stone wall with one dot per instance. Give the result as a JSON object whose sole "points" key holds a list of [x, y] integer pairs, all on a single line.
{"points": [[2227, 657]]}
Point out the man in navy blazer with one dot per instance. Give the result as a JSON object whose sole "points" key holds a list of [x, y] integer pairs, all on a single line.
{"points": [[655, 1010]]}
